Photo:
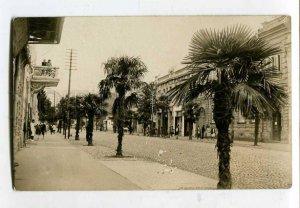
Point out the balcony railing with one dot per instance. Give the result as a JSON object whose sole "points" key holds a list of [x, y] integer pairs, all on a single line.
{"points": [[45, 71]]}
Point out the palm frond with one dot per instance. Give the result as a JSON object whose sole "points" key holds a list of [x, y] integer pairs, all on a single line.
{"points": [[192, 87], [131, 100]]}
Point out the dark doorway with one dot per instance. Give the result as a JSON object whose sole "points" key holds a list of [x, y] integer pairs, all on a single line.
{"points": [[276, 126]]}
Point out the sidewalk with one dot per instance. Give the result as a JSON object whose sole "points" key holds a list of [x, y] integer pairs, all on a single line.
{"points": [[54, 164]]}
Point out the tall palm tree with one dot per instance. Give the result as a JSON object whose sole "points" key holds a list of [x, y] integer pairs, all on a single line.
{"points": [[124, 74], [92, 105], [232, 67]]}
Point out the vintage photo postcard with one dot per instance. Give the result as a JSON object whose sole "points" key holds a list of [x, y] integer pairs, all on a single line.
{"points": [[150, 103]]}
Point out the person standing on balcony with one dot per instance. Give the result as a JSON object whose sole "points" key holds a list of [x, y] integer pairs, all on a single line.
{"points": [[49, 63], [44, 63]]}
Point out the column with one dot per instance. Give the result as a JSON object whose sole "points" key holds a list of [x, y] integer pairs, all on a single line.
{"points": [[182, 124], [174, 116]]}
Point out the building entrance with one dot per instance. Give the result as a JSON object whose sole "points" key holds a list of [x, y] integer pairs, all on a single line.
{"points": [[276, 126]]}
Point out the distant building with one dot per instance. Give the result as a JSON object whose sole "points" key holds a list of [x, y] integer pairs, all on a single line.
{"points": [[278, 33]]}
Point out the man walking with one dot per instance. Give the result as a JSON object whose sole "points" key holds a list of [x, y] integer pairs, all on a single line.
{"points": [[43, 129], [177, 131], [202, 132]]}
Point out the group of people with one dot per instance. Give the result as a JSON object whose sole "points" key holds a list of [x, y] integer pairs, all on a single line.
{"points": [[205, 132], [37, 130], [201, 132], [46, 63]]}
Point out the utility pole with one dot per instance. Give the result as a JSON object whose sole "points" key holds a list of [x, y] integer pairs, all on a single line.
{"points": [[54, 105], [54, 100], [71, 66]]}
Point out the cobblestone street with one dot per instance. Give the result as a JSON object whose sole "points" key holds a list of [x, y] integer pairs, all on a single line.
{"points": [[263, 166]]}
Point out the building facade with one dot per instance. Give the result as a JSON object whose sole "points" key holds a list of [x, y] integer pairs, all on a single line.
{"points": [[26, 80], [278, 33]]}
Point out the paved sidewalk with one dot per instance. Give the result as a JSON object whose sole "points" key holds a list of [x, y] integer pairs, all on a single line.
{"points": [[155, 176], [55, 164]]}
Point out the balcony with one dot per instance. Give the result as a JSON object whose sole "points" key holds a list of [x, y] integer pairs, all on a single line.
{"points": [[45, 75]]}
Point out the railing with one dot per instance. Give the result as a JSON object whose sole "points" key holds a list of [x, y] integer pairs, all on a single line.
{"points": [[45, 71]]}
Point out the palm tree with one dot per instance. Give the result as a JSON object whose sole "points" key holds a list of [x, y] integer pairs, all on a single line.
{"points": [[62, 109], [124, 74], [92, 105], [79, 112], [163, 103], [232, 67], [191, 115], [147, 107]]}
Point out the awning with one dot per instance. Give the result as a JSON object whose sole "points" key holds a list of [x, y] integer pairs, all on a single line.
{"points": [[45, 30], [35, 30]]}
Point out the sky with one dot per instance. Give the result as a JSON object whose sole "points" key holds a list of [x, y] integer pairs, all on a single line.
{"points": [[161, 42]]}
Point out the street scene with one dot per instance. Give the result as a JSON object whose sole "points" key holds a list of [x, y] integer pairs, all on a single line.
{"points": [[151, 103]]}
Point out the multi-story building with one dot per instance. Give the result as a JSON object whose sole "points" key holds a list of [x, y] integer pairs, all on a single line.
{"points": [[175, 115], [27, 80], [278, 33]]}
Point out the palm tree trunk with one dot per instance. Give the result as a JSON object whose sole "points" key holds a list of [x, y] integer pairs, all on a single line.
{"points": [[190, 130], [256, 129], [120, 124], [223, 117], [89, 130], [145, 126], [120, 139], [77, 127]]}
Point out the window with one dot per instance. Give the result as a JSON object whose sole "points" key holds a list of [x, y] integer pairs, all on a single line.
{"points": [[275, 62]]}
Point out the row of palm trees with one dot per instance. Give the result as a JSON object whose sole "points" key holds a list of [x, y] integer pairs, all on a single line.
{"points": [[76, 107], [230, 66]]}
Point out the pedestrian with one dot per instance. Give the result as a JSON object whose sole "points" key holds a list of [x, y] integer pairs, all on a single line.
{"points": [[177, 131], [198, 132], [38, 131], [32, 130], [51, 128], [43, 129], [171, 131], [208, 129], [213, 132], [59, 126], [203, 132]]}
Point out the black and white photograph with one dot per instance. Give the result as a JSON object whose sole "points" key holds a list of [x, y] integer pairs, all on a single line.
{"points": [[149, 103]]}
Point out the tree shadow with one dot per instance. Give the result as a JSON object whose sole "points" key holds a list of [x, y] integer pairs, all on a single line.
{"points": [[117, 156]]}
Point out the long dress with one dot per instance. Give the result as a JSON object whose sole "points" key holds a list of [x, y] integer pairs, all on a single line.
{"points": [[32, 129]]}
